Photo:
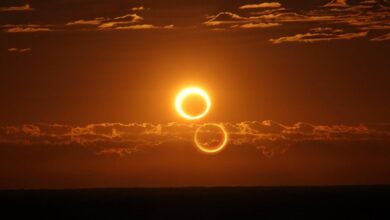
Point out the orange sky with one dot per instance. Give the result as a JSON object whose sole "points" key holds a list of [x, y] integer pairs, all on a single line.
{"points": [[87, 91]]}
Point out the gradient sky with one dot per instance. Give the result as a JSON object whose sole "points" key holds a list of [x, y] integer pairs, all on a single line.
{"points": [[87, 90]]}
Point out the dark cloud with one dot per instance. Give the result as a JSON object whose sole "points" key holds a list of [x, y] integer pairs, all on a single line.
{"points": [[121, 21], [124, 22], [353, 17], [257, 25], [317, 36], [337, 4], [225, 18], [139, 8], [355, 20], [384, 37], [19, 50], [25, 7], [144, 26], [268, 136], [102, 23], [262, 5], [96, 21], [29, 28]]}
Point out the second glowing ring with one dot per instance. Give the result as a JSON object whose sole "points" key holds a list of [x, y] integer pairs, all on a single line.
{"points": [[213, 150]]}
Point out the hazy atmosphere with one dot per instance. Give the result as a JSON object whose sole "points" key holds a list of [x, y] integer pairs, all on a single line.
{"points": [[299, 89]]}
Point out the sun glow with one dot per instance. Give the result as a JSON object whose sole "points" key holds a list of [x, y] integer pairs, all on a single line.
{"points": [[192, 91]]}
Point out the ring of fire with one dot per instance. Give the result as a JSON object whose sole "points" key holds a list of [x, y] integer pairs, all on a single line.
{"points": [[215, 149], [192, 91]]}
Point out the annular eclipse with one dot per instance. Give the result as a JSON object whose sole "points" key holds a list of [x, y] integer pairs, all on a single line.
{"points": [[180, 98]]}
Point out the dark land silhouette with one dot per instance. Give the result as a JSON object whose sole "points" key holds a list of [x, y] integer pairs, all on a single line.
{"points": [[337, 202]]}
